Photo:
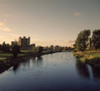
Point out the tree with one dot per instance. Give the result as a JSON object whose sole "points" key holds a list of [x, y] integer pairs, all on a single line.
{"points": [[5, 47], [81, 41], [52, 47], [0, 47], [15, 50], [96, 39], [40, 49]]}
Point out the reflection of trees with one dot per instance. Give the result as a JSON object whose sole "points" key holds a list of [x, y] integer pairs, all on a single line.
{"points": [[39, 58], [15, 68], [82, 69], [39, 61], [21, 64], [96, 72]]}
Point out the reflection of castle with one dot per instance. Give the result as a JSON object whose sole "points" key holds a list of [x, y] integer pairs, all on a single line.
{"points": [[24, 43]]}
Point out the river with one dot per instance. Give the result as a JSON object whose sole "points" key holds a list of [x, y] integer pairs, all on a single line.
{"points": [[53, 72]]}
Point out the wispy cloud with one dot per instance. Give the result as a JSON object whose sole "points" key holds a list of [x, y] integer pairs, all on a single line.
{"points": [[4, 27], [70, 41], [6, 38], [53, 42], [6, 15], [77, 13], [14, 35]]}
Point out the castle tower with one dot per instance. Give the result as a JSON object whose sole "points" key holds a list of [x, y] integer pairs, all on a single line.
{"points": [[24, 42], [89, 43]]}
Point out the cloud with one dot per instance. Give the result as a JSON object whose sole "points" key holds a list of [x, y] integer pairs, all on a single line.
{"points": [[14, 35], [4, 27], [52, 42], [70, 41], [77, 14], [6, 15], [6, 38]]}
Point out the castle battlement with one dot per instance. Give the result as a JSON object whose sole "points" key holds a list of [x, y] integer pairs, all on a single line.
{"points": [[24, 42]]}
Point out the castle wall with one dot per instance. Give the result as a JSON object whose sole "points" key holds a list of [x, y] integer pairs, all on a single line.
{"points": [[25, 43]]}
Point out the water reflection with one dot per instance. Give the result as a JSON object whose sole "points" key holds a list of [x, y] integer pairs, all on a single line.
{"points": [[16, 67], [38, 61], [28, 64], [86, 71], [82, 69], [90, 72], [96, 72], [49, 73]]}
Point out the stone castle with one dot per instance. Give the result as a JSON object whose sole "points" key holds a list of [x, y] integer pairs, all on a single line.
{"points": [[24, 43]]}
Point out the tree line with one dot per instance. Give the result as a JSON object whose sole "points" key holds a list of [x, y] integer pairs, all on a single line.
{"points": [[14, 49], [83, 37]]}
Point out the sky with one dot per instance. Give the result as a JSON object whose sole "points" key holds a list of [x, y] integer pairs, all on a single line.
{"points": [[47, 22]]}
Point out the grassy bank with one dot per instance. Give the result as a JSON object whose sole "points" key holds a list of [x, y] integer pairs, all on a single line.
{"points": [[4, 55], [89, 57], [7, 60]]}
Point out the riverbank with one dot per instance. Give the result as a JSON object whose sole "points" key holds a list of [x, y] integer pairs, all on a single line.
{"points": [[89, 57], [9, 61]]}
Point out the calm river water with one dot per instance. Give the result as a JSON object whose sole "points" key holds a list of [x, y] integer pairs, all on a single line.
{"points": [[54, 72]]}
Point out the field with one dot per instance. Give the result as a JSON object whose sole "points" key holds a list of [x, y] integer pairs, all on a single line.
{"points": [[4, 55]]}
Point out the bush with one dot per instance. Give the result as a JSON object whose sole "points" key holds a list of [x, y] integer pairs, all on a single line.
{"points": [[81, 41], [15, 50]]}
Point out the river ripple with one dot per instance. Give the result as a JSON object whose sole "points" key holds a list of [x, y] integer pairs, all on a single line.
{"points": [[53, 72]]}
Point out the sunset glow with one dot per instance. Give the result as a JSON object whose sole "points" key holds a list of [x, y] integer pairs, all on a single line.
{"points": [[47, 22]]}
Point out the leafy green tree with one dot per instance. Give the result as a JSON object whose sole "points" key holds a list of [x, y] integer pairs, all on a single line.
{"points": [[5, 47], [81, 41], [40, 49], [0, 47], [96, 39], [15, 50], [52, 47]]}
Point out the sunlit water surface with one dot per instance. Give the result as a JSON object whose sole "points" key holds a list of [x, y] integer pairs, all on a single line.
{"points": [[54, 72]]}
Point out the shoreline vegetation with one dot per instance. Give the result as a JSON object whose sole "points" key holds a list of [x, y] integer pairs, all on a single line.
{"points": [[7, 59], [87, 47], [11, 55], [89, 57]]}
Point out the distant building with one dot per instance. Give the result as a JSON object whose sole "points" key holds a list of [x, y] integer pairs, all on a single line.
{"points": [[24, 43]]}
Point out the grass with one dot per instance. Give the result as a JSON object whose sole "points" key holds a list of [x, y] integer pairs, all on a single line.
{"points": [[23, 52], [26, 51], [4, 55], [90, 57], [35, 50]]}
